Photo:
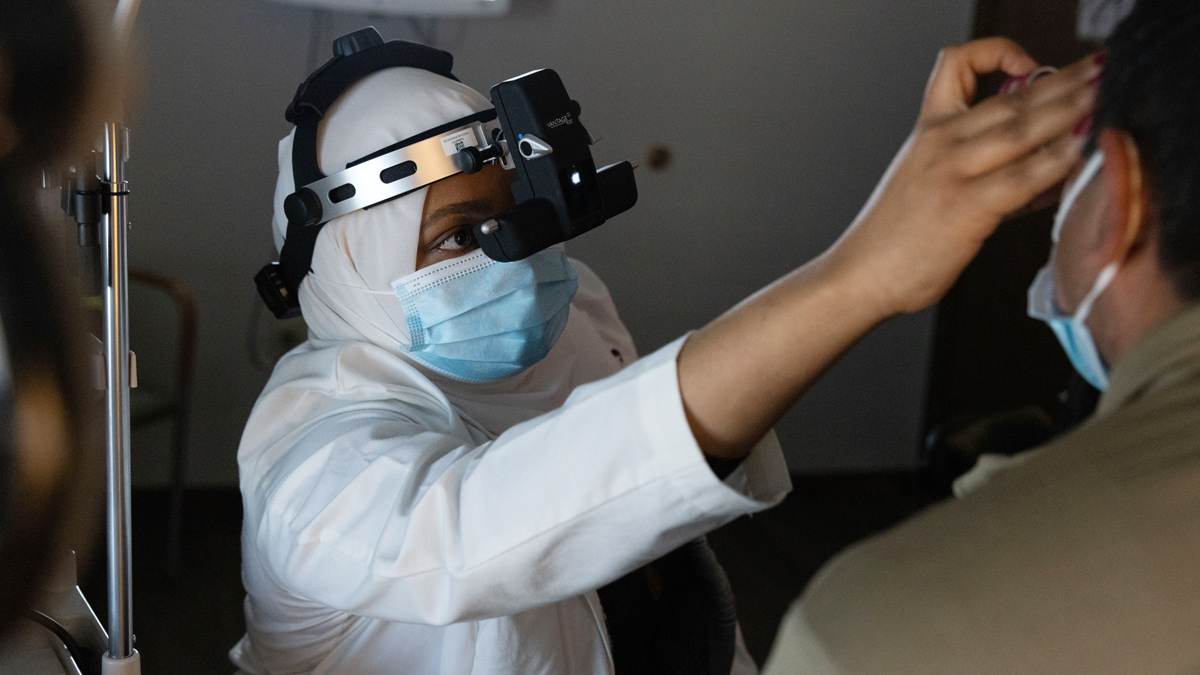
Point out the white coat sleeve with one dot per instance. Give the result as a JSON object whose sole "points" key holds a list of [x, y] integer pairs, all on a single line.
{"points": [[387, 520]]}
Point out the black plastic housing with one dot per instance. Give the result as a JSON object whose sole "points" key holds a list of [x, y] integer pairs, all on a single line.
{"points": [[276, 293], [559, 195]]}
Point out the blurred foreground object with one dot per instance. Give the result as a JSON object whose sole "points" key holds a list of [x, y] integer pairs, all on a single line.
{"points": [[56, 84], [48, 469]]}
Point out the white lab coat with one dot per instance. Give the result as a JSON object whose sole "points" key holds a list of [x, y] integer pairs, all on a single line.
{"points": [[391, 527]]}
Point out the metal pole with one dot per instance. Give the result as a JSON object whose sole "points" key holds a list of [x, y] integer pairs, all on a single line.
{"points": [[122, 658], [116, 344]]}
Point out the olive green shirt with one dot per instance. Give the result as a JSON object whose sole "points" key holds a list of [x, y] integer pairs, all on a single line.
{"points": [[1083, 559]]}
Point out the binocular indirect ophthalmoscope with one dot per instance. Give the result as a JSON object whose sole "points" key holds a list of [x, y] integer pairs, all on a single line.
{"points": [[534, 130]]}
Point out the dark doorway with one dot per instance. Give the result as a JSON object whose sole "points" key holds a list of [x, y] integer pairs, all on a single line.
{"points": [[988, 356]]}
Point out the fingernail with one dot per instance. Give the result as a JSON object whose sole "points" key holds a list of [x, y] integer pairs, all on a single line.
{"points": [[1084, 126], [1098, 61]]}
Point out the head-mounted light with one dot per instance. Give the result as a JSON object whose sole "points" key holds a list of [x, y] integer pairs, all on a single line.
{"points": [[534, 130]]}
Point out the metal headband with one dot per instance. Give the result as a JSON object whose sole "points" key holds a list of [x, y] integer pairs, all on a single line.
{"points": [[400, 171]]}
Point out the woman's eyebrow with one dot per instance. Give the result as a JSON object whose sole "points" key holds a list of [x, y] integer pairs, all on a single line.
{"points": [[473, 207]]}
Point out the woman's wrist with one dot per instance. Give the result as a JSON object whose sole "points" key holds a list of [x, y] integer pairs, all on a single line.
{"points": [[858, 294]]}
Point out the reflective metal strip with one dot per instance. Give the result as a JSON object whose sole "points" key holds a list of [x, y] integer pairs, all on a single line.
{"points": [[433, 160]]}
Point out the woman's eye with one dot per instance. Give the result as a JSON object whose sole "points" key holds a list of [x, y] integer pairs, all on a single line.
{"points": [[457, 241]]}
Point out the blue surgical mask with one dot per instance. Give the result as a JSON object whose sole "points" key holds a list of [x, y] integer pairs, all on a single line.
{"points": [[1072, 331], [476, 320]]}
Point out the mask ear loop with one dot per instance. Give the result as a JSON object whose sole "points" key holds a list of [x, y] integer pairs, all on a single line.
{"points": [[1134, 214], [329, 282], [1110, 270], [1090, 352], [1106, 277], [1093, 166]]}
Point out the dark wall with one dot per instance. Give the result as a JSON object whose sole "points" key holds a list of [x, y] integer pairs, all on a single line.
{"points": [[780, 116], [988, 355]]}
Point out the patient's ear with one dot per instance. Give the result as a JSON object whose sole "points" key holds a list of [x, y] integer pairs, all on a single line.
{"points": [[1128, 196]]}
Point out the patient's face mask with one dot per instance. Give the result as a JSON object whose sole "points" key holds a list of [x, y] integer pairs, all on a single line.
{"points": [[477, 320], [1072, 331]]}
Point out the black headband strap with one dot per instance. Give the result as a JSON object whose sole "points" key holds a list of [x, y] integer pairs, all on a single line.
{"points": [[305, 163], [355, 56], [331, 80]]}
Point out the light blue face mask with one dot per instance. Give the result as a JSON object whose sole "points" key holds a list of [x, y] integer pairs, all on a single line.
{"points": [[1072, 331], [477, 320]]}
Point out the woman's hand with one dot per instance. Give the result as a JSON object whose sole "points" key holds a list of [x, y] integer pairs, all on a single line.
{"points": [[961, 172], [962, 169]]}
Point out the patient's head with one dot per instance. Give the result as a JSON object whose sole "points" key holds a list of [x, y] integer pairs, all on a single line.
{"points": [[1140, 213], [1151, 91]]}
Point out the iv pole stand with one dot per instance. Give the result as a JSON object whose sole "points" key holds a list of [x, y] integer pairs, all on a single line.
{"points": [[121, 658]]}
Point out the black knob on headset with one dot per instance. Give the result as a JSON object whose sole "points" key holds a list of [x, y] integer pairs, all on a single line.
{"points": [[355, 42], [471, 160], [302, 207]]}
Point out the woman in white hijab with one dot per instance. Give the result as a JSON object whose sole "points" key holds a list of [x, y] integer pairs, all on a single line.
{"points": [[409, 512]]}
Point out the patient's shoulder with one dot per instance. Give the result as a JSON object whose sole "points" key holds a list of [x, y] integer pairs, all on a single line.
{"points": [[1060, 546]]}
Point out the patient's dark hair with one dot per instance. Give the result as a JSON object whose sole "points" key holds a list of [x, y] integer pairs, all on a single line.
{"points": [[1151, 90]]}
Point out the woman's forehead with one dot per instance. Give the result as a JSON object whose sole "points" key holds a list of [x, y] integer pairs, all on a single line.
{"points": [[465, 194]]}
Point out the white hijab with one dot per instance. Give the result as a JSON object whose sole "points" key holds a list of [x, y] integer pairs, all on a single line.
{"points": [[369, 249], [348, 294]]}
